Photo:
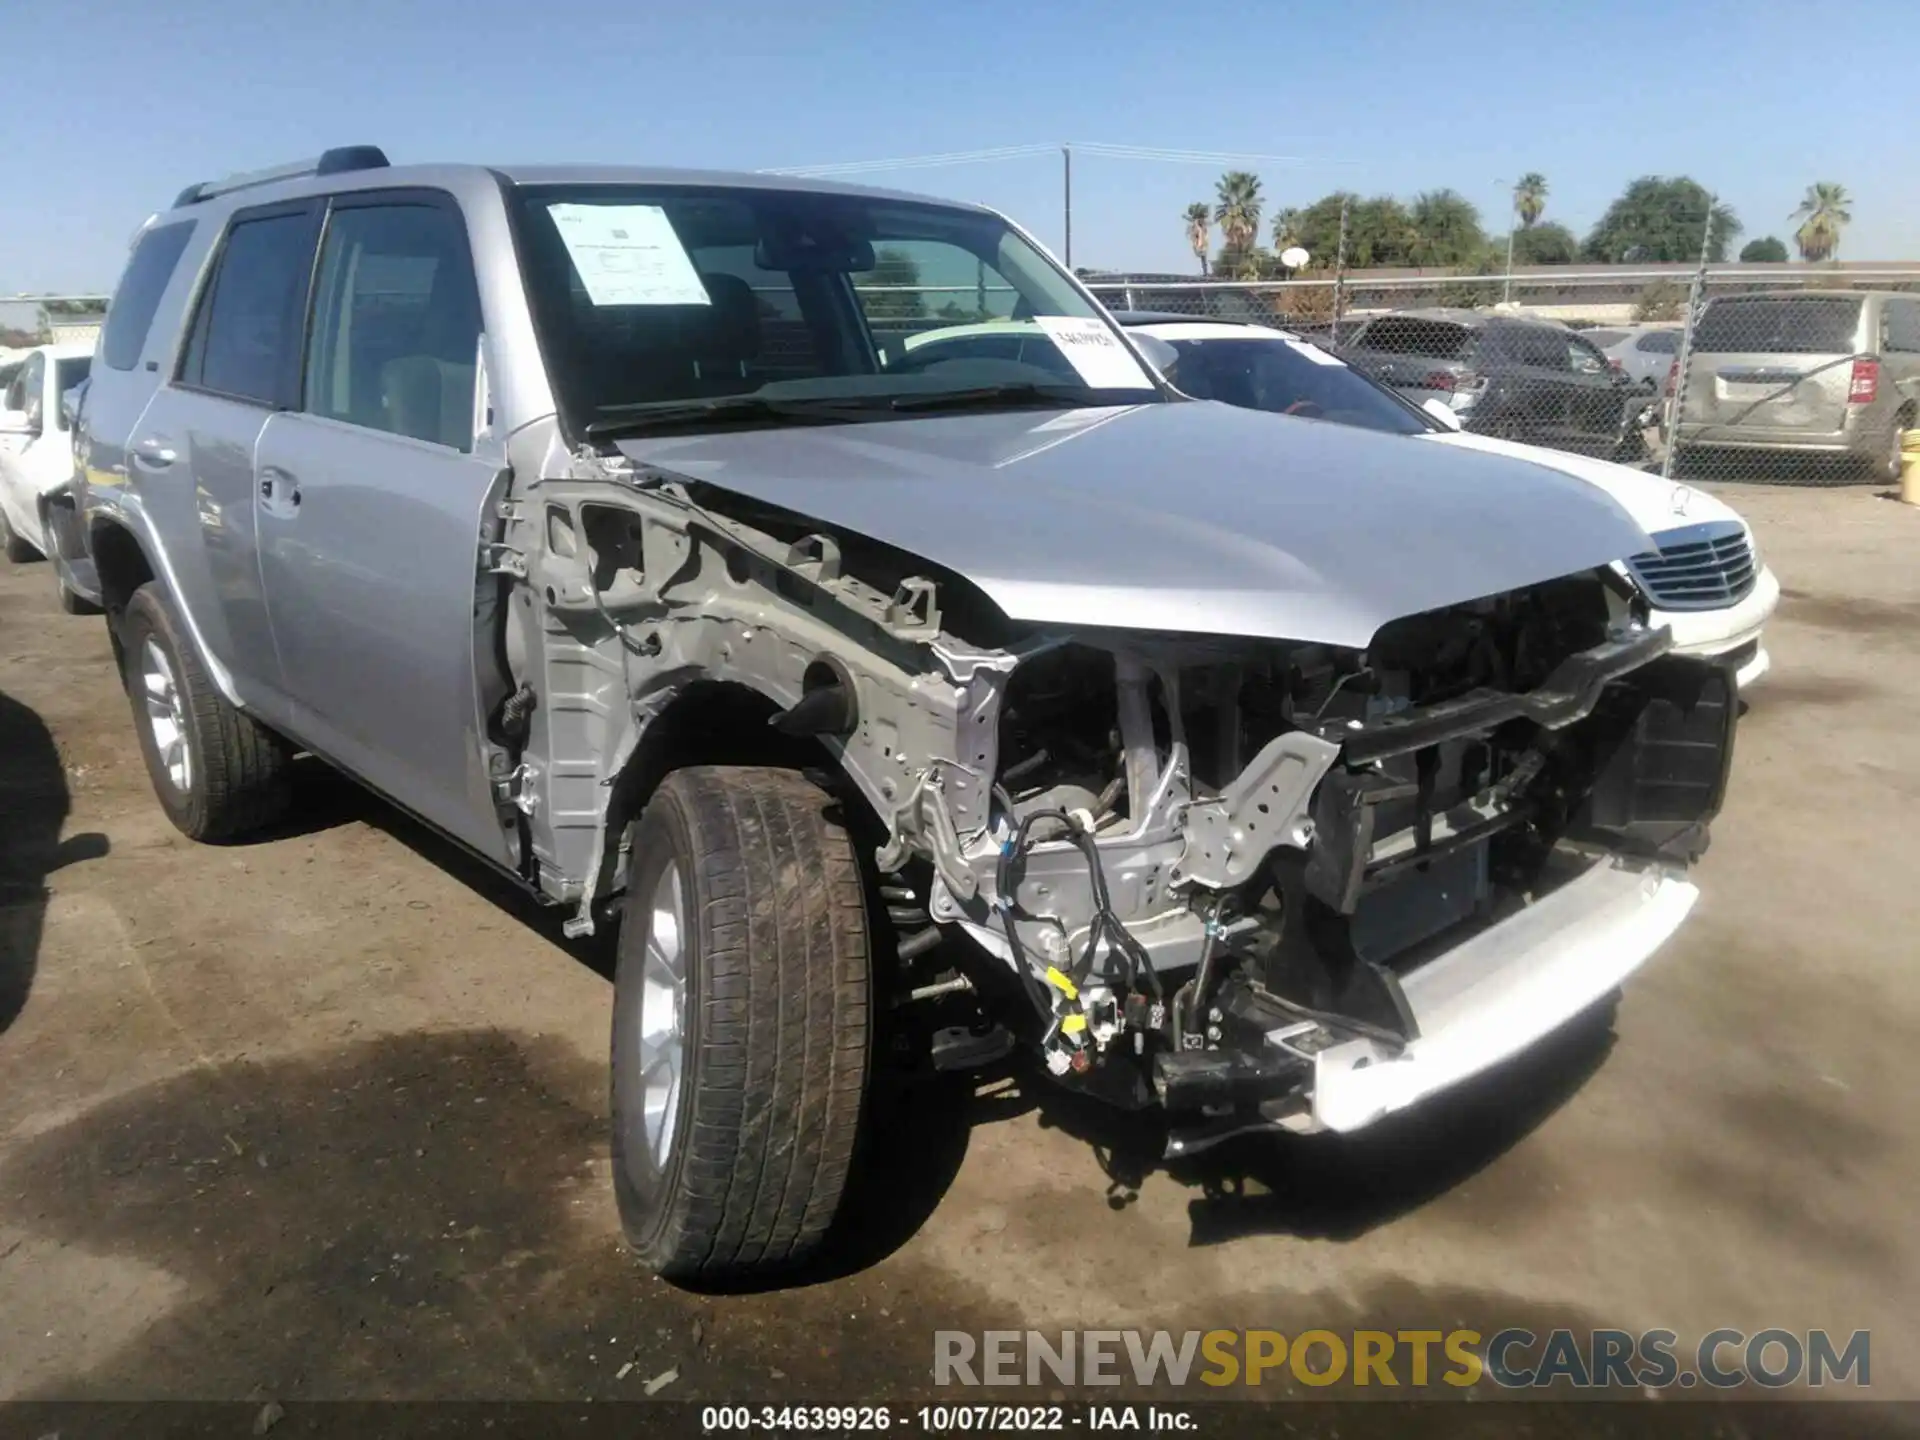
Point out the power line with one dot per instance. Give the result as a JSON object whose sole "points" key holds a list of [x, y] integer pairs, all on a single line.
{"points": [[1160, 153]]}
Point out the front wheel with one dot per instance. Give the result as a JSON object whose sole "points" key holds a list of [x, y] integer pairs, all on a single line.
{"points": [[740, 1025]]}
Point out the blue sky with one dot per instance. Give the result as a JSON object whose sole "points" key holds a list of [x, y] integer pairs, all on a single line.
{"points": [[1754, 99]]}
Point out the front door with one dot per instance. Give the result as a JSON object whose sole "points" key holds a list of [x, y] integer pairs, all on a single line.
{"points": [[371, 505]]}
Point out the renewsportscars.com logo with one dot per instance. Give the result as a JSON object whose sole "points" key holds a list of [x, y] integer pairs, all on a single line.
{"points": [[1512, 1359]]}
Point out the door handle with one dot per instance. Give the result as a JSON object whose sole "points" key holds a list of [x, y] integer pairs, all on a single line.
{"points": [[154, 453]]}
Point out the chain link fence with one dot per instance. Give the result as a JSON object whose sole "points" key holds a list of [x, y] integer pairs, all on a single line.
{"points": [[1794, 374]]}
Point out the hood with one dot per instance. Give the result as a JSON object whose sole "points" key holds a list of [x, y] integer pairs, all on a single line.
{"points": [[1655, 504], [1188, 516]]}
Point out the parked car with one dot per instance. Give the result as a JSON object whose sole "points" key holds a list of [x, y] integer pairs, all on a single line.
{"points": [[36, 447], [1524, 380], [1815, 373], [1643, 353], [1276, 776], [1704, 577]]}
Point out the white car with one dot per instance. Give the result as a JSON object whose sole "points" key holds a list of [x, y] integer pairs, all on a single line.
{"points": [[1643, 353], [1706, 581], [36, 448]]}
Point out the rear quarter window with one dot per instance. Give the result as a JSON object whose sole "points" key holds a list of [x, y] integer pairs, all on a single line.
{"points": [[130, 315], [1794, 325]]}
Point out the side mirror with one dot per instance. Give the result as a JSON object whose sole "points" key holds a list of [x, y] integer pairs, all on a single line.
{"points": [[1443, 412]]}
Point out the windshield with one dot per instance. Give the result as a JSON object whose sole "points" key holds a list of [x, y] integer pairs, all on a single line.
{"points": [[1290, 377], [659, 303]]}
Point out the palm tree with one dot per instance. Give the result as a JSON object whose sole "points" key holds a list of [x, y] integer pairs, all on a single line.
{"points": [[1238, 210], [1286, 230], [1530, 197], [1822, 215], [1199, 231]]}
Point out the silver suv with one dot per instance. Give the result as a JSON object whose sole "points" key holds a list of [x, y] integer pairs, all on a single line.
{"points": [[908, 704]]}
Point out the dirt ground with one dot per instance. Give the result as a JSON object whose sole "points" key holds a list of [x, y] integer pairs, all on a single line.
{"points": [[324, 1116]]}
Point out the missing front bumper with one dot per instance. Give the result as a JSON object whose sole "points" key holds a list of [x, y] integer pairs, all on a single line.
{"points": [[1483, 1001]]}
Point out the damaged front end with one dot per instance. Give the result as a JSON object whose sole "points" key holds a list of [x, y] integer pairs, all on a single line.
{"points": [[1259, 883]]}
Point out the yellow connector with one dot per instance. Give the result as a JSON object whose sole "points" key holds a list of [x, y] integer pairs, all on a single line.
{"points": [[1058, 979]]}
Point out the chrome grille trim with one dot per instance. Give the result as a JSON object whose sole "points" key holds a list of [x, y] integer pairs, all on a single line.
{"points": [[1697, 567]]}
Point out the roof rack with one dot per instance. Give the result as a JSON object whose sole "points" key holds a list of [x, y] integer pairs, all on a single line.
{"points": [[339, 160]]}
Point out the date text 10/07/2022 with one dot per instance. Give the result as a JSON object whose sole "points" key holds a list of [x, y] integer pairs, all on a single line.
{"points": [[941, 1419]]}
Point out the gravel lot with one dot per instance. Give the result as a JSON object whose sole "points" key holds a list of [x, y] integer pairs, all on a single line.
{"points": [[323, 1116]]}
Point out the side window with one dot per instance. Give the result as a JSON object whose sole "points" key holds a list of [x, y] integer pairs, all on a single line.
{"points": [[1584, 359], [1660, 342], [130, 316], [247, 333], [923, 284], [396, 323], [1903, 325]]}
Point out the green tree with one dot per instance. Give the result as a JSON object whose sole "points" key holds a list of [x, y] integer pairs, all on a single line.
{"points": [[1237, 212], [1823, 214], [1446, 229], [1548, 244], [1767, 250], [1286, 230], [1199, 231], [1662, 300], [1530, 198], [894, 268], [1660, 218], [68, 309], [1379, 231]]}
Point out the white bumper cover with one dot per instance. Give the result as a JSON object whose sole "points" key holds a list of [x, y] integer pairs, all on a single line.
{"points": [[1499, 992]]}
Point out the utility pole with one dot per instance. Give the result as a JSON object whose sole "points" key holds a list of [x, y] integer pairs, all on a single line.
{"points": [[1066, 180], [1513, 214]]}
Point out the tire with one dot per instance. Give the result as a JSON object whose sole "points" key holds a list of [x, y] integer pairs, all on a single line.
{"points": [[736, 1172], [68, 601], [19, 550], [1886, 466], [224, 774]]}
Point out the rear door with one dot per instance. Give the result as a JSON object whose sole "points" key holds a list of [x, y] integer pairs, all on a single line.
{"points": [[132, 353], [193, 452], [1539, 399], [1600, 396], [1773, 362], [371, 505]]}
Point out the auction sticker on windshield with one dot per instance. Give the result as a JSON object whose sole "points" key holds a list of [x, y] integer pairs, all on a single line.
{"points": [[628, 255], [1095, 352]]}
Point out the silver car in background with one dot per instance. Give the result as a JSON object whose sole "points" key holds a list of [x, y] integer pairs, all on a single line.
{"points": [[1831, 374], [1642, 353]]}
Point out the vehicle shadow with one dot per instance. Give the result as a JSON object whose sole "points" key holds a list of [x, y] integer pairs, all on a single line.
{"points": [[34, 804], [324, 799], [1339, 1187]]}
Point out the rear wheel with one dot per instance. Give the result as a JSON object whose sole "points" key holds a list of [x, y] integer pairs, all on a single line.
{"points": [[1887, 466], [218, 773], [19, 550], [740, 1025]]}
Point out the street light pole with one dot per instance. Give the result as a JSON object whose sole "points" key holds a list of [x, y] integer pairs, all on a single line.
{"points": [[1513, 215], [1066, 196]]}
